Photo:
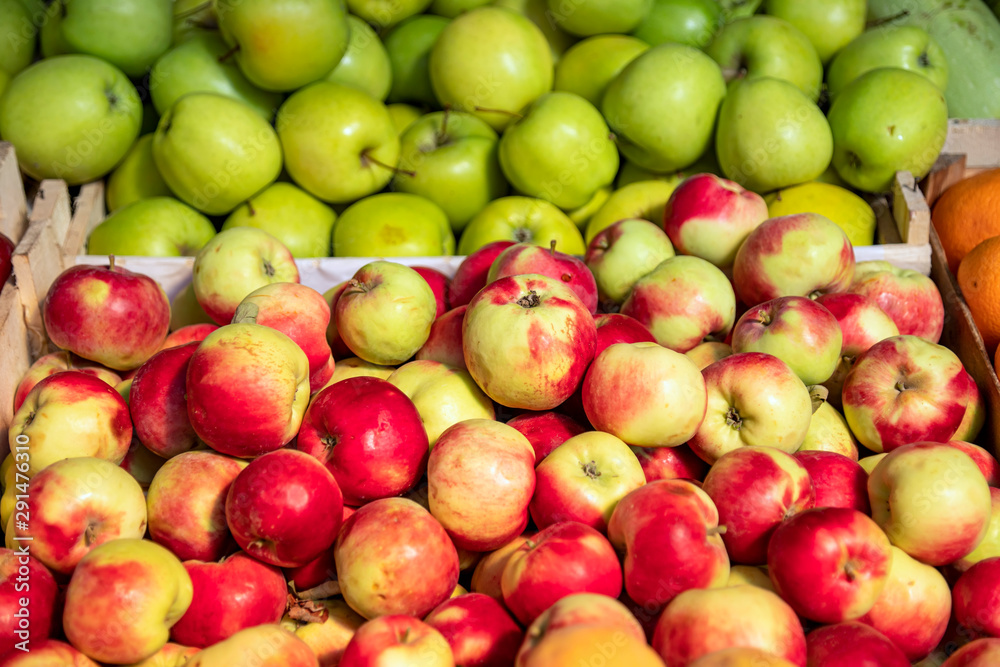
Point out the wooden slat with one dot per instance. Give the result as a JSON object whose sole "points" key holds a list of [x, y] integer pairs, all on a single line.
{"points": [[88, 212], [13, 204], [15, 356], [910, 210]]}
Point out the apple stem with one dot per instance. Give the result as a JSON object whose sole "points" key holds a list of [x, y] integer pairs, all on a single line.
{"points": [[111, 262], [717, 530], [850, 571], [365, 157], [552, 248], [325, 590], [886, 19], [499, 111], [251, 208], [442, 134], [229, 54], [194, 10], [246, 313]]}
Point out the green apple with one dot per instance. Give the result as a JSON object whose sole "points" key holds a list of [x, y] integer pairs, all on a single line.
{"points": [[185, 309], [403, 115], [590, 65], [491, 62], [215, 152], [18, 37], [451, 158], [829, 24], [632, 173], [537, 11], [72, 117], [393, 224], [690, 22], [582, 214], [771, 136], [136, 176], [339, 143], [291, 215], [193, 17], [452, 8], [596, 17], [4, 80], [365, 64], [384, 14], [887, 120], [522, 220], [154, 227], [200, 65], [409, 47], [50, 37], [284, 44], [560, 150], [662, 106], [765, 46], [908, 47], [644, 199], [129, 34]]}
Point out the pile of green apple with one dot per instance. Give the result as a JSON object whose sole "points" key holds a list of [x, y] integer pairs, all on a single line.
{"points": [[434, 127]]}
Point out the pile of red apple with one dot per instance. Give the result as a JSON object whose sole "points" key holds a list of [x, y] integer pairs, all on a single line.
{"points": [[542, 460]]}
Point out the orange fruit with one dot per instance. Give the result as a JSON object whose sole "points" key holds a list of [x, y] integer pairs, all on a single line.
{"points": [[968, 213], [979, 280]]}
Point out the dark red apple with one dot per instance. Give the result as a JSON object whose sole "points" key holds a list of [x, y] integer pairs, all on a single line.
{"points": [[6, 250], [28, 599], [837, 481], [617, 328], [439, 285], [470, 276], [522, 258], [444, 343], [479, 630], [158, 402], [189, 334], [670, 463], [545, 430], [852, 644]]}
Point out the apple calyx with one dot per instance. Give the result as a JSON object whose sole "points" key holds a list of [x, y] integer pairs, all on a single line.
{"points": [[329, 441], [306, 611], [367, 160], [529, 300], [590, 470], [733, 418], [90, 534], [523, 235], [246, 313]]}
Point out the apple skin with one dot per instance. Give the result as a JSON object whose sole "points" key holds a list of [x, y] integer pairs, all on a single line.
{"points": [[481, 478], [837, 481], [438, 283], [393, 224], [528, 341], [590, 65], [830, 564], [622, 253], [397, 640], [409, 570], [107, 314], [444, 342], [522, 258], [645, 394], [470, 276], [977, 653], [48, 653], [987, 463], [903, 390], [236, 593], [545, 430], [707, 353], [755, 489], [770, 262], [479, 630], [684, 301], [186, 504], [264, 645], [989, 546], [489, 570], [617, 328], [754, 400], [23, 577], [369, 435], [710, 217], [797, 330], [909, 297], [914, 608], [851, 644], [699, 622], [670, 463], [862, 322], [327, 635], [123, 599], [55, 362], [189, 333], [579, 644], [158, 405], [524, 220], [829, 432], [284, 508], [636, 530]]}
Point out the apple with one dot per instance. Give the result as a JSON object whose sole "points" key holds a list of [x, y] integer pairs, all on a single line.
{"points": [[974, 600], [699, 622], [973, 422], [171, 655], [583, 479], [399, 639], [158, 405], [914, 608], [47, 652], [107, 314], [241, 418], [741, 655], [135, 178], [617, 328], [488, 572], [597, 17], [139, 462], [537, 12], [266, 645], [470, 276], [691, 22], [370, 455], [977, 653], [525, 258], [19, 25], [751, 575], [56, 362], [644, 199], [797, 330], [393, 224], [852, 643], [989, 546], [408, 45], [439, 285], [754, 400], [444, 342], [123, 599], [707, 353], [185, 309], [354, 367], [212, 617], [830, 564], [828, 431], [862, 322], [903, 390], [869, 462], [837, 480], [339, 143], [365, 65], [769, 264], [590, 65], [622, 254], [186, 504], [670, 463], [636, 103], [830, 26], [522, 220], [528, 341], [865, 155], [546, 430], [326, 626], [684, 301], [582, 644], [301, 222], [70, 117], [504, 43], [755, 489], [156, 226], [479, 630], [28, 600], [958, 498], [909, 297], [645, 394], [408, 570], [131, 37], [987, 463]]}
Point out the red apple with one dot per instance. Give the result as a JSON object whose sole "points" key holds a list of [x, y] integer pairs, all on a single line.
{"points": [[977, 598], [158, 402], [837, 481], [236, 593], [862, 322], [489, 570], [591, 645], [741, 656], [444, 343], [6, 250], [617, 328], [545, 430], [337, 345], [909, 297], [528, 258], [439, 285], [621, 254], [975, 414], [47, 653], [56, 362], [830, 564], [192, 333], [670, 463], [470, 276], [284, 508], [318, 571], [397, 640], [322, 376], [479, 630], [369, 435], [852, 644], [710, 217], [755, 489], [979, 653], [28, 599], [987, 462]]}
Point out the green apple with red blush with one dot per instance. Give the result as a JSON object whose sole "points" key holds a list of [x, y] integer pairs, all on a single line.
{"points": [[623, 253]]}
